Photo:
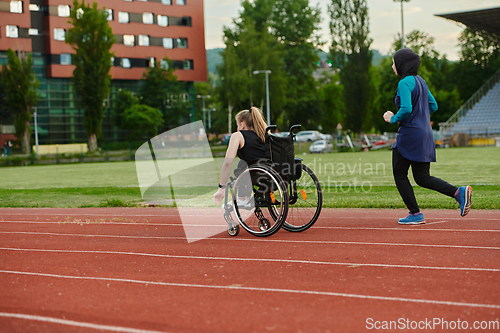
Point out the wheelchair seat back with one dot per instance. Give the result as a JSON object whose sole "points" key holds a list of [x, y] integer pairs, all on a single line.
{"points": [[282, 155]]}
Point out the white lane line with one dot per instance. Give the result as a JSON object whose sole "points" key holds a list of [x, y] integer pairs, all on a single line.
{"points": [[239, 288], [367, 217], [116, 223], [293, 261], [256, 240], [428, 223], [418, 227], [74, 323]]}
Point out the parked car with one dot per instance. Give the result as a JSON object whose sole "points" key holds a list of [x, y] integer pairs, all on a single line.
{"points": [[321, 146], [225, 139], [281, 134], [326, 137], [305, 136]]}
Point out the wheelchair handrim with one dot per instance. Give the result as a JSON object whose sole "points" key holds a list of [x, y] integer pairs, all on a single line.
{"points": [[282, 203]]}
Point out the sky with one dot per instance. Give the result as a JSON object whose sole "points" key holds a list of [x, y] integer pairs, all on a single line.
{"points": [[385, 21]]}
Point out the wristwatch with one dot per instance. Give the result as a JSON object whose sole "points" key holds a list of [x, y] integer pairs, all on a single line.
{"points": [[220, 186]]}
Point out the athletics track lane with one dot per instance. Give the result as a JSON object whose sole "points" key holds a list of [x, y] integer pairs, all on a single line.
{"points": [[110, 273]]}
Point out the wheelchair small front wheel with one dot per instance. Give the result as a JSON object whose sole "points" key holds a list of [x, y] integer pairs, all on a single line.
{"points": [[233, 229], [264, 224]]}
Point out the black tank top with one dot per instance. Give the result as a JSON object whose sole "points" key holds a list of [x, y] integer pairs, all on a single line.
{"points": [[254, 148]]}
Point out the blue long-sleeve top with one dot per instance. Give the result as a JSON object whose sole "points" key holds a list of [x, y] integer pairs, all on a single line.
{"points": [[405, 88]]}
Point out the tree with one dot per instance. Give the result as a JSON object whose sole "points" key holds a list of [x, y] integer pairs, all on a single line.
{"points": [[420, 42], [142, 120], [21, 93], [350, 52], [92, 38], [5, 115], [160, 90], [479, 60], [248, 49], [124, 100], [387, 84], [233, 83], [332, 104], [294, 24]]}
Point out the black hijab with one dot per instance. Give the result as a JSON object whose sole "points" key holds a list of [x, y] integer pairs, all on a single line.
{"points": [[407, 62]]}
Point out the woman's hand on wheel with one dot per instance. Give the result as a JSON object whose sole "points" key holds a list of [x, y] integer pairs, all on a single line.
{"points": [[218, 196]]}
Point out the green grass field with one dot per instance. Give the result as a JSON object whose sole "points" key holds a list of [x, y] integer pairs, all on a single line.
{"points": [[348, 180]]}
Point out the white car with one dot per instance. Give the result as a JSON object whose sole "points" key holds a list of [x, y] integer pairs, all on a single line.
{"points": [[304, 136], [281, 134], [326, 137], [321, 146]]}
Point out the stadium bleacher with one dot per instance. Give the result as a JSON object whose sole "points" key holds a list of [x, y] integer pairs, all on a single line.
{"points": [[483, 119]]}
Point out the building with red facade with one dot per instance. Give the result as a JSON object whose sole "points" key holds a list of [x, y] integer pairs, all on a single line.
{"points": [[146, 31]]}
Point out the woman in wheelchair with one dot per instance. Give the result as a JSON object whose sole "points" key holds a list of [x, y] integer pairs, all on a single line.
{"points": [[248, 143], [261, 198]]}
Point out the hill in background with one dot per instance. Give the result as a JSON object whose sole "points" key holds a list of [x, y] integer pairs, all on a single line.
{"points": [[214, 58]]}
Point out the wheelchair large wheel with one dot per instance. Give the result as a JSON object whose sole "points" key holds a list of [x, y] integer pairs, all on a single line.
{"points": [[306, 200], [257, 191]]}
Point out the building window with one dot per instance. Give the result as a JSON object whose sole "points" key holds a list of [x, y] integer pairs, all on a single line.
{"points": [[162, 21], [34, 8], [79, 13], [188, 64], [128, 40], [182, 43], [16, 6], [147, 18], [152, 62], [110, 14], [33, 32], [63, 11], [59, 34], [181, 2], [12, 31], [65, 59], [168, 43], [125, 62], [164, 64], [143, 40], [166, 2], [123, 17]]}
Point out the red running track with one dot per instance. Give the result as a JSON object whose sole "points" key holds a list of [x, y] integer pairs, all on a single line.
{"points": [[132, 270]]}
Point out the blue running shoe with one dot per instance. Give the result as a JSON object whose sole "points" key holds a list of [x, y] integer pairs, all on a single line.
{"points": [[413, 219], [464, 199]]}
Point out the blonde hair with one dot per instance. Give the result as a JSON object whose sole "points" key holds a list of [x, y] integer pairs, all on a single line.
{"points": [[253, 118]]}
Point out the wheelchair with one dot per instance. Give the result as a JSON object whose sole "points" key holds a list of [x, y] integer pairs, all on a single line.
{"points": [[274, 193]]}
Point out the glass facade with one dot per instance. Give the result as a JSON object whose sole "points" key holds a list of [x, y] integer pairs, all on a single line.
{"points": [[60, 121]]}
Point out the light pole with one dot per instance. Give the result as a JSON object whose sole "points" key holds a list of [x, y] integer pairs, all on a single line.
{"points": [[203, 98], [209, 118], [36, 131], [402, 23], [267, 94]]}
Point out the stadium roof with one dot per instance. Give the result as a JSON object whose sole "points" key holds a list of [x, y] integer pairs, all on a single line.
{"points": [[484, 19]]}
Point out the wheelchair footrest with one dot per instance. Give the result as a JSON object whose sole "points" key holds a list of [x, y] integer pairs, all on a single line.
{"points": [[232, 228], [228, 218]]}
